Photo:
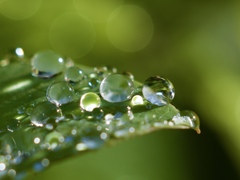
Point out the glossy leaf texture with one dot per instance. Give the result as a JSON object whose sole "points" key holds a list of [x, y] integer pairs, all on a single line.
{"points": [[35, 132]]}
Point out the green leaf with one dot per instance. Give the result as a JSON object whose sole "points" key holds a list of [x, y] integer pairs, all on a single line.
{"points": [[27, 149]]}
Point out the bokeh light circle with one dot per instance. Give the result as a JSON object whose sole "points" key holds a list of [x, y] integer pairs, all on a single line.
{"points": [[96, 10], [72, 35], [130, 28], [19, 9]]}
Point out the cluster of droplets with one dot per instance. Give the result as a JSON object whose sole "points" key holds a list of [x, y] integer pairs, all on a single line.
{"points": [[82, 109]]}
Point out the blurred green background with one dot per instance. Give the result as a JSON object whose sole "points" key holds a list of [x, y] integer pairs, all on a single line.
{"points": [[195, 44]]}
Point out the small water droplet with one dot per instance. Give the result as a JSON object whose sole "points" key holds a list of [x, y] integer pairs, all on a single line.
{"points": [[60, 93], [188, 118], [53, 140], [19, 52], [89, 101], [46, 64], [93, 142], [21, 110], [103, 135], [116, 88], [74, 74], [97, 113], [137, 100], [94, 83], [158, 90], [77, 114], [2, 166], [12, 172], [81, 147], [43, 113], [129, 75]]}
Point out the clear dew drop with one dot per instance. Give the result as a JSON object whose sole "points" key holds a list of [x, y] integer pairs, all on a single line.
{"points": [[46, 64], [90, 101], [53, 140], [158, 90], [98, 113], [74, 74], [60, 93], [137, 100], [43, 113], [188, 118], [116, 88]]}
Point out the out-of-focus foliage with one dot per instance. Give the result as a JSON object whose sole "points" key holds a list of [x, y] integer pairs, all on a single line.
{"points": [[193, 43]]}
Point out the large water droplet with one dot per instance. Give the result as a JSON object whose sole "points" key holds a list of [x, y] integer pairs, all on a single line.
{"points": [[60, 93], [158, 90], [89, 101], [74, 74], [116, 88], [46, 64], [43, 113]]}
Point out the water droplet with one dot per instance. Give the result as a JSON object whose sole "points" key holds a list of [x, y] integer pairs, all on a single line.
{"points": [[74, 74], [98, 113], [43, 113], [108, 118], [103, 135], [60, 93], [53, 140], [188, 118], [158, 90], [46, 64], [93, 142], [89, 101], [129, 75], [21, 110], [116, 88], [2, 166], [19, 52], [12, 173], [77, 114], [81, 147], [93, 83], [137, 100]]}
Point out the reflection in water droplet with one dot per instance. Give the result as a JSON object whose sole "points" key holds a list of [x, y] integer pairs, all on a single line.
{"points": [[74, 74], [43, 113], [158, 90], [89, 101], [116, 88], [46, 64], [60, 93], [188, 118], [137, 100]]}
